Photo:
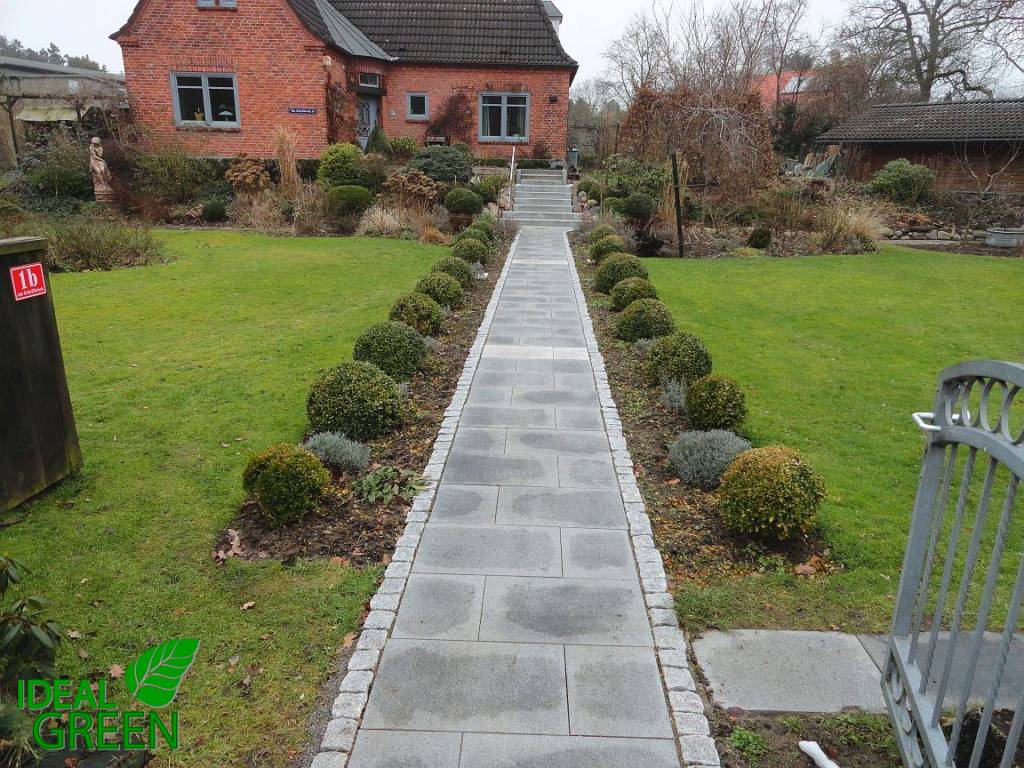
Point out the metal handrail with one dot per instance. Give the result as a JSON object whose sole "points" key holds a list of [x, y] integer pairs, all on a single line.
{"points": [[512, 182]]}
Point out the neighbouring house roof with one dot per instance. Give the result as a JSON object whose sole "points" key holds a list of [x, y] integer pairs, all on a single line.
{"points": [[496, 32], [29, 68], [995, 120], [790, 84]]}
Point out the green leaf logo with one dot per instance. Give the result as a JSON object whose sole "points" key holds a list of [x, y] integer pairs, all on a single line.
{"points": [[154, 678]]}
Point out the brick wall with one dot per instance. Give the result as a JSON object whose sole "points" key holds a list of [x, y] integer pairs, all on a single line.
{"points": [[279, 65], [548, 121]]}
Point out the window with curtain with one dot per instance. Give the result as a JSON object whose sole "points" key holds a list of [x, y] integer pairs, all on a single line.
{"points": [[504, 116], [205, 99]]}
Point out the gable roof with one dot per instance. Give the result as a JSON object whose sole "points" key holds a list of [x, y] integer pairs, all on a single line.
{"points": [[996, 120], [499, 32], [330, 25], [791, 83]]}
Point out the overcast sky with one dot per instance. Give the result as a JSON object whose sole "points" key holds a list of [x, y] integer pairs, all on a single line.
{"points": [[84, 27]]}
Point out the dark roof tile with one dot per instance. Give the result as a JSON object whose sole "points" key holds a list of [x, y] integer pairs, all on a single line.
{"points": [[1000, 119]]}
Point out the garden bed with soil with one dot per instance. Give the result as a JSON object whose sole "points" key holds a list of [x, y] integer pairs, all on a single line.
{"points": [[688, 530], [350, 529]]}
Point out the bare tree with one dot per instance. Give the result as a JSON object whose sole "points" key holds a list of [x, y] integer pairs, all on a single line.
{"points": [[639, 57], [942, 45]]}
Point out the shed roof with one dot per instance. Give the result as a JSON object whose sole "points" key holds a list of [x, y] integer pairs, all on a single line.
{"points": [[992, 120], [27, 67]]}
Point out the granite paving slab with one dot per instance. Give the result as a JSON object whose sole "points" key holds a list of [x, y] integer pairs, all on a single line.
{"points": [[501, 751], [503, 550], [563, 507]]}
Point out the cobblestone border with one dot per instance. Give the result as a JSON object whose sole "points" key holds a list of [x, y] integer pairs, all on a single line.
{"points": [[688, 714], [354, 692]]}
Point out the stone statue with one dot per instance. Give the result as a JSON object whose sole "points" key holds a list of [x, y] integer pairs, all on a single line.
{"points": [[100, 172]]}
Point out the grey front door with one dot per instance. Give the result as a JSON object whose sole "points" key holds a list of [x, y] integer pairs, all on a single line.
{"points": [[367, 112]]}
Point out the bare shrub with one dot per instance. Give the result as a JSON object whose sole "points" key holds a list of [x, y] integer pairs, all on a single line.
{"points": [[262, 211], [379, 221], [287, 163], [311, 216], [434, 236]]}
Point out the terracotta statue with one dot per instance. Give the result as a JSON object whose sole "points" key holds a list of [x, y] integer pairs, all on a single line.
{"points": [[100, 172]]}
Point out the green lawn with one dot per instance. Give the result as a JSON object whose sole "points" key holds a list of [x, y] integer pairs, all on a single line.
{"points": [[177, 373], [835, 353]]}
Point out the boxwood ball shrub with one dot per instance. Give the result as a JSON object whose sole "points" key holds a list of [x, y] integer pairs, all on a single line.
{"points": [[442, 288], [617, 268], [640, 206], [715, 402], [395, 348], [625, 292], [770, 493], [336, 450], [601, 230], [612, 204], [700, 458], [644, 319], [341, 165], [356, 398], [606, 245], [470, 250], [591, 189], [460, 269], [483, 229], [463, 202], [418, 311], [681, 356], [286, 481], [349, 200], [760, 237]]}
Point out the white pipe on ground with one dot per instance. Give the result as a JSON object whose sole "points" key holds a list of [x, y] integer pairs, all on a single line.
{"points": [[813, 751]]}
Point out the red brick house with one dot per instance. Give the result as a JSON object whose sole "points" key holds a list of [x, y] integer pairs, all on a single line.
{"points": [[223, 75], [787, 88]]}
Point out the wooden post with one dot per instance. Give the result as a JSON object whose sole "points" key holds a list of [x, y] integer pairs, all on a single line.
{"points": [[38, 439], [679, 206]]}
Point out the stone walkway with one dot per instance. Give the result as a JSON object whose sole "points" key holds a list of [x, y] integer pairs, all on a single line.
{"points": [[520, 636]]}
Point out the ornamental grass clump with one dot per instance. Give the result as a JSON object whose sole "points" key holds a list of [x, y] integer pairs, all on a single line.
{"points": [[460, 269], [418, 311], [644, 319], [607, 245], [287, 482], [470, 250], [395, 348], [617, 268], [356, 398], [771, 494], [715, 402], [335, 450], [681, 356], [442, 288], [700, 458], [625, 292]]}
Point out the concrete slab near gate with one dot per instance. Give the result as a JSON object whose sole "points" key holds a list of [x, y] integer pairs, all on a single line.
{"points": [[787, 671]]}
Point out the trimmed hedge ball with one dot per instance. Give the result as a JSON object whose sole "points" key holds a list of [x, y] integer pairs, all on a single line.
{"points": [[486, 233], [715, 402], [760, 237], [419, 311], [606, 245], [700, 458], [681, 356], [600, 231], [349, 200], [625, 292], [457, 268], [617, 268], [640, 206], [356, 398], [442, 288], [612, 204], [287, 482], [644, 319], [470, 250], [395, 348], [463, 202], [771, 493]]}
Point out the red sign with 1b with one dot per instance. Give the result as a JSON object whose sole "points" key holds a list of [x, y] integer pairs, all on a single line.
{"points": [[28, 281]]}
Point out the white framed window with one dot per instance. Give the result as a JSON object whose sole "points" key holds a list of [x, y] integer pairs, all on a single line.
{"points": [[205, 99], [217, 3], [505, 117], [370, 79], [417, 106]]}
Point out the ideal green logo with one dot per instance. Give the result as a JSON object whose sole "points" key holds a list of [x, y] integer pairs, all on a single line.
{"points": [[153, 679]]}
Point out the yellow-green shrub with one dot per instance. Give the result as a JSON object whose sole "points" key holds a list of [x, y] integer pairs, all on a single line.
{"points": [[286, 481], [715, 402]]}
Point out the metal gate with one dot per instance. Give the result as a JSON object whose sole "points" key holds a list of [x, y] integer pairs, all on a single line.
{"points": [[962, 582]]}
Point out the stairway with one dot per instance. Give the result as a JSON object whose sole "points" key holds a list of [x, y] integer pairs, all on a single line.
{"points": [[543, 199]]}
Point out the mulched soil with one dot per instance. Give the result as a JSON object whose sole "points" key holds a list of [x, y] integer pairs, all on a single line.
{"points": [[347, 528], [974, 247], [687, 526]]}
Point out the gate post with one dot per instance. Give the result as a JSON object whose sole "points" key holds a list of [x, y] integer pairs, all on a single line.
{"points": [[38, 439]]}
